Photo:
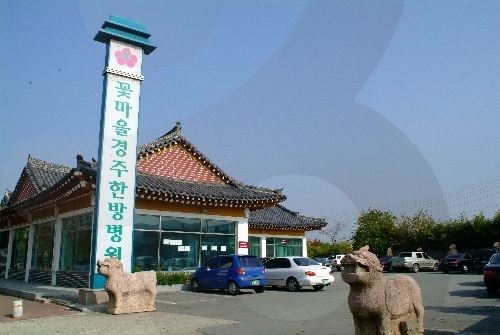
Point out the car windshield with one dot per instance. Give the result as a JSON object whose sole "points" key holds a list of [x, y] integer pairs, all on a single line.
{"points": [[405, 254], [495, 259], [485, 253], [454, 256], [249, 261], [304, 261]]}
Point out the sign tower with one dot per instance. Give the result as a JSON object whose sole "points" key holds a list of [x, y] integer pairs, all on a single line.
{"points": [[126, 42]]}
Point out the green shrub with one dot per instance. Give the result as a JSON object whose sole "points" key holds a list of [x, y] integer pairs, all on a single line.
{"points": [[173, 278]]}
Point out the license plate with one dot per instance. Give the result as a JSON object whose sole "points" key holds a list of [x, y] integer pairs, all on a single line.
{"points": [[255, 282], [324, 281]]}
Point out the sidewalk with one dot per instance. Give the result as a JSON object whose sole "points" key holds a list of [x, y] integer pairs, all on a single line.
{"points": [[66, 296], [50, 309]]}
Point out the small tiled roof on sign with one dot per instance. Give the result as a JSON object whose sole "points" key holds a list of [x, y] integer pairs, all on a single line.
{"points": [[279, 217]]}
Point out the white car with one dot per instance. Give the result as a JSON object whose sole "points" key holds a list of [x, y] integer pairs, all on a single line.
{"points": [[295, 272]]}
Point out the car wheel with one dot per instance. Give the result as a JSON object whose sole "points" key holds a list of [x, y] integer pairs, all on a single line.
{"points": [[492, 291], [390, 269], [292, 284], [195, 285], [259, 289], [415, 268], [446, 271], [435, 267], [479, 272], [318, 287], [233, 288], [465, 268]]}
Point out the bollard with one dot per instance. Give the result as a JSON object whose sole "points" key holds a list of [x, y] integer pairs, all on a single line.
{"points": [[17, 308]]}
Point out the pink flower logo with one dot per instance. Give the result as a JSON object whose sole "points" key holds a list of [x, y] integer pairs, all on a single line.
{"points": [[125, 57]]}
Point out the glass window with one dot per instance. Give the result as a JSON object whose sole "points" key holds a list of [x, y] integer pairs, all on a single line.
{"points": [[218, 227], [212, 263], [19, 248], [249, 261], [281, 247], [180, 224], [146, 222], [146, 250], [213, 245], [179, 251], [254, 248], [76, 239], [226, 262], [173, 243], [43, 244]]}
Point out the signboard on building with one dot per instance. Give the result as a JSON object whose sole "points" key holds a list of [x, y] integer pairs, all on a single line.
{"points": [[242, 244]]}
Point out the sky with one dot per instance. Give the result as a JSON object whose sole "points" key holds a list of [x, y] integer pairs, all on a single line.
{"points": [[345, 105]]}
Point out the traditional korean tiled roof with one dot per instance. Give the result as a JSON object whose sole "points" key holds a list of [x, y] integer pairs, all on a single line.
{"points": [[279, 217], [210, 194], [174, 138], [44, 183], [37, 176]]}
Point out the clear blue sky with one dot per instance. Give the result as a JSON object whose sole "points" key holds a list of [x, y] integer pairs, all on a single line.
{"points": [[345, 105]]}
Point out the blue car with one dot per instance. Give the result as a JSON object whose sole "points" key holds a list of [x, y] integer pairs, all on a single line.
{"points": [[232, 273]]}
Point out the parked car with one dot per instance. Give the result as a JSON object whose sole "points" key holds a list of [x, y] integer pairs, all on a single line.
{"points": [[321, 260], [414, 261], [232, 273], [491, 275], [334, 261], [462, 262], [386, 263], [296, 272], [482, 257]]}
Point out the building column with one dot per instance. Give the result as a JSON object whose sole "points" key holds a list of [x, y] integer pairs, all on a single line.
{"points": [[242, 237], [9, 253], [304, 247], [263, 246], [29, 253], [56, 252]]}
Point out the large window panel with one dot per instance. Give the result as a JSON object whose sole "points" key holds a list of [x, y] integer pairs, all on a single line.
{"points": [[43, 243], [254, 248], [146, 222], [213, 245], [180, 224], [146, 250], [179, 251], [76, 239], [20, 248], [281, 247], [218, 227]]}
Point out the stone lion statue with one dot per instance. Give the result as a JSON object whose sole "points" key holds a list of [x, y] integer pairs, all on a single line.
{"points": [[128, 292], [381, 305]]}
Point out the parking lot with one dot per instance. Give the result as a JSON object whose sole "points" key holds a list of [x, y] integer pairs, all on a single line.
{"points": [[454, 303]]}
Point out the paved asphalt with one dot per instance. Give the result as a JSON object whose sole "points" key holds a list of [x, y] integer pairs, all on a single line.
{"points": [[454, 303]]}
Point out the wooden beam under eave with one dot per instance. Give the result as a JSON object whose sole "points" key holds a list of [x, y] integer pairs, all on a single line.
{"points": [[75, 204], [277, 232], [161, 205]]}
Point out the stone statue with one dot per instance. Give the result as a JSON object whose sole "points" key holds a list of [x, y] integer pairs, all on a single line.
{"points": [[381, 305], [452, 249], [128, 292]]}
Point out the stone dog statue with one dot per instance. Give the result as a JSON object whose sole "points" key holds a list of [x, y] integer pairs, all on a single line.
{"points": [[381, 305], [128, 292]]}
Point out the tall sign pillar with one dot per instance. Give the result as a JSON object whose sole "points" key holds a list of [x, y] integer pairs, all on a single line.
{"points": [[126, 42]]}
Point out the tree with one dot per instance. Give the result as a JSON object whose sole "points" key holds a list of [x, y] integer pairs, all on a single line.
{"points": [[375, 229], [333, 231]]}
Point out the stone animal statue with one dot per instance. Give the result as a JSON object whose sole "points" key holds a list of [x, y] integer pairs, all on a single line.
{"points": [[381, 305], [128, 292]]}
